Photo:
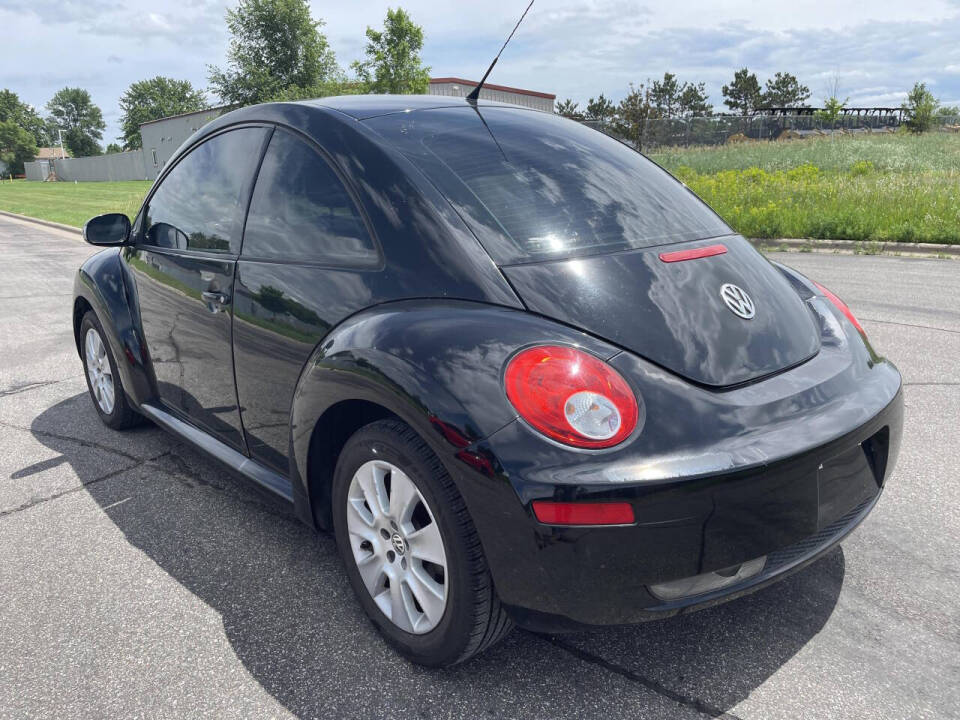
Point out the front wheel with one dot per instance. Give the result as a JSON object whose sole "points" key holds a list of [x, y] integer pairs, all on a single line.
{"points": [[103, 382], [410, 549]]}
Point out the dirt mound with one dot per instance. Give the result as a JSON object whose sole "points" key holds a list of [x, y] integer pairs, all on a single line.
{"points": [[737, 138], [789, 134]]}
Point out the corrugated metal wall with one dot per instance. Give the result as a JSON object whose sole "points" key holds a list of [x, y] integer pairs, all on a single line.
{"points": [[37, 169], [160, 140], [113, 167], [462, 90]]}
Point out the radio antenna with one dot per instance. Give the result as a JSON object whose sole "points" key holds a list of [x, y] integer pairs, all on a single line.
{"points": [[475, 94]]}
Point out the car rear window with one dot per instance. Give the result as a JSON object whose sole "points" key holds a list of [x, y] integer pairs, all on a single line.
{"points": [[534, 186]]}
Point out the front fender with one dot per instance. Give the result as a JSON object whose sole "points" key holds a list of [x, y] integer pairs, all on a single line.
{"points": [[103, 282], [435, 364]]}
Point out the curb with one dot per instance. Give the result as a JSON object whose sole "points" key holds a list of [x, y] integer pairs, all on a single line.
{"points": [[47, 223], [857, 247]]}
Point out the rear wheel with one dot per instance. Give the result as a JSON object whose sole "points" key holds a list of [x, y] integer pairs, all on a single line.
{"points": [[103, 382], [410, 550]]}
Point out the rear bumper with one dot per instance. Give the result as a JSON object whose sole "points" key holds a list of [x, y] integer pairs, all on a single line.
{"points": [[791, 511], [778, 565]]}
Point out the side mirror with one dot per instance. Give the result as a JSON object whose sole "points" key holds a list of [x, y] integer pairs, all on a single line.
{"points": [[109, 229]]}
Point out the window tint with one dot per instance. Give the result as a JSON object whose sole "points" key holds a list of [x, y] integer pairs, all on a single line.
{"points": [[301, 211], [199, 205], [533, 186]]}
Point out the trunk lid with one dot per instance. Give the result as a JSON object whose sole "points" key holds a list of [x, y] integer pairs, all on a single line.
{"points": [[672, 313]]}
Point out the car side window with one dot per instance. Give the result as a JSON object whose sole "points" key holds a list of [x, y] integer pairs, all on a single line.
{"points": [[301, 211], [199, 204]]}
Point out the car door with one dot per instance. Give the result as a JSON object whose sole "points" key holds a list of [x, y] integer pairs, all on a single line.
{"points": [[183, 262], [308, 261]]}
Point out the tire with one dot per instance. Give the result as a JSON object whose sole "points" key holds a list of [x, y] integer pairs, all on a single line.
{"points": [[117, 413], [472, 618]]}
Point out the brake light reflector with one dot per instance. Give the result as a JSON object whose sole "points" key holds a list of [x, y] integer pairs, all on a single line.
{"points": [[842, 307], [571, 396], [583, 513]]}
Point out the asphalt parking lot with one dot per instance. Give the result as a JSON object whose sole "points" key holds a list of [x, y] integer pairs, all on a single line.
{"points": [[138, 579]]}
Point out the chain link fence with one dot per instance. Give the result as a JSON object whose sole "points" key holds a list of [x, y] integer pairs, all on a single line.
{"points": [[722, 129]]}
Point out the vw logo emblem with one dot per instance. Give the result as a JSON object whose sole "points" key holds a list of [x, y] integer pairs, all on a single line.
{"points": [[398, 544], [737, 300]]}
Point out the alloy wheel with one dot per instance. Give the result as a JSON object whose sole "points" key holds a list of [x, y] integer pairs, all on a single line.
{"points": [[397, 545], [99, 372]]}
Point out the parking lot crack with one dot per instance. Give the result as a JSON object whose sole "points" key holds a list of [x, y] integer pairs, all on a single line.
{"points": [[56, 496], [911, 325], [182, 473], [25, 387], [693, 703], [78, 441]]}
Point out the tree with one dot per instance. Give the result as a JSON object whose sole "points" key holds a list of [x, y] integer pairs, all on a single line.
{"points": [[568, 108], [743, 94], [23, 116], [672, 99], [393, 63], [832, 109], [633, 112], [16, 147], [338, 84], [113, 148], [601, 109], [154, 99], [73, 112], [665, 95], [274, 45], [832, 104], [785, 91], [694, 101], [948, 111], [920, 106]]}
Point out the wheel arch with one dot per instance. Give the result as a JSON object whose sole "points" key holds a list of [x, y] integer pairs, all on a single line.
{"points": [[102, 286], [81, 306], [330, 433], [339, 394]]}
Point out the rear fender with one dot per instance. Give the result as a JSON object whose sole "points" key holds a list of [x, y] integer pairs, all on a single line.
{"points": [[434, 364]]}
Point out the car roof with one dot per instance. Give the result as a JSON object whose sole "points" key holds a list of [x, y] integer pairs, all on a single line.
{"points": [[363, 107]]}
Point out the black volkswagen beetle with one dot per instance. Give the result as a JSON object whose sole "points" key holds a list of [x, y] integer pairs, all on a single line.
{"points": [[522, 373]]}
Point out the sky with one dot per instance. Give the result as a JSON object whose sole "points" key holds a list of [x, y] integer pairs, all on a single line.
{"points": [[875, 50]]}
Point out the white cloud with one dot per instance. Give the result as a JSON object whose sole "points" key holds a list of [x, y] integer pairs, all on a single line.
{"points": [[574, 48]]}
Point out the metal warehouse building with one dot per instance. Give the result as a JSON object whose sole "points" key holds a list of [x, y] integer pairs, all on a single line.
{"points": [[161, 137], [458, 87]]}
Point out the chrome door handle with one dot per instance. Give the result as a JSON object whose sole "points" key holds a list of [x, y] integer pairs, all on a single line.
{"points": [[217, 298]]}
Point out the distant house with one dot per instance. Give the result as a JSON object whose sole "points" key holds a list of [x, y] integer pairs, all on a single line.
{"points": [[51, 153]]}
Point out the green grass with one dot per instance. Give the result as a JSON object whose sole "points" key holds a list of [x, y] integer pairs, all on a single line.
{"points": [[872, 188], [71, 203], [868, 187]]}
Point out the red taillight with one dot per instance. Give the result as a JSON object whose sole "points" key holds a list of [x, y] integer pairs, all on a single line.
{"points": [[571, 396], [583, 513], [842, 307], [695, 254]]}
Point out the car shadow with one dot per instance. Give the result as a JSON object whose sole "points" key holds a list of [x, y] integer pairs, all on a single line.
{"points": [[290, 616]]}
